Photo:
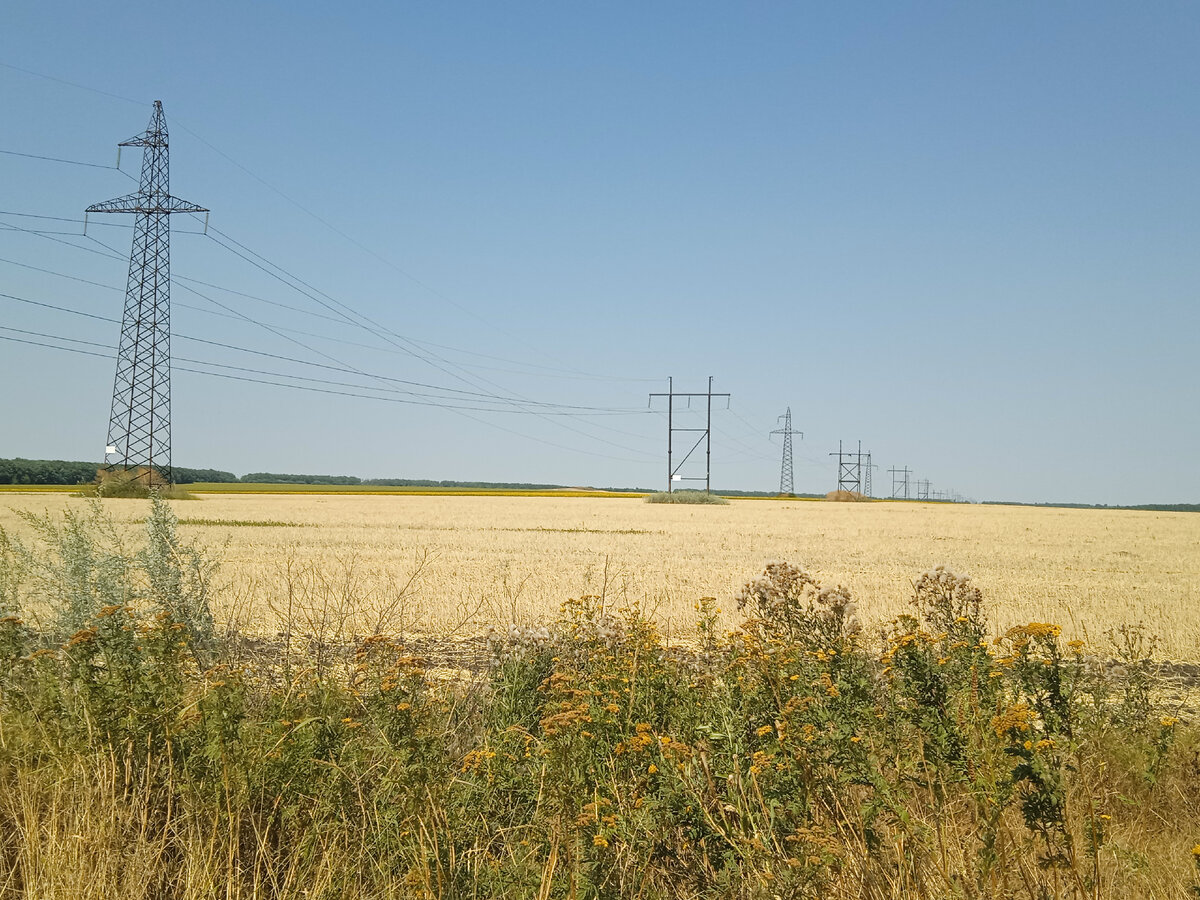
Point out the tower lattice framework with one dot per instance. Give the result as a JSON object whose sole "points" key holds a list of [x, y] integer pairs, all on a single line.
{"points": [[785, 469], [139, 425]]}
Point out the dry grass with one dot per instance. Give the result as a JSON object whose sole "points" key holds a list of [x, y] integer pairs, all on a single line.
{"points": [[499, 559]]}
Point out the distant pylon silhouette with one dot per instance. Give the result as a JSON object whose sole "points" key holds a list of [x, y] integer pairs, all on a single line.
{"points": [[785, 471], [139, 424]]}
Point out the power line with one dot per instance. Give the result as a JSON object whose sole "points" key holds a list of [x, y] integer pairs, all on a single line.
{"points": [[372, 327], [461, 411], [546, 371], [750, 430], [232, 313], [517, 403], [425, 286], [129, 409], [82, 87], [56, 347], [387, 262], [346, 313], [390, 264], [108, 252], [203, 362], [549, 408], [13, 262], [70, 162], [517, 399], [21, 215], [339, 316]]}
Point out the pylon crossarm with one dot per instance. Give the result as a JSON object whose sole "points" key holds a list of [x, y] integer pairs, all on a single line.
{"points": [[155, 134], [145, 203], [146, 139]]}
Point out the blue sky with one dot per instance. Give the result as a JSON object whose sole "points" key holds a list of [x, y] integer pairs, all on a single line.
{"points": [[964, 234]]}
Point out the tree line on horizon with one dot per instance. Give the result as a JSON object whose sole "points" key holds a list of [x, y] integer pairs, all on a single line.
{"points": [[58, 471], [61, 471]]}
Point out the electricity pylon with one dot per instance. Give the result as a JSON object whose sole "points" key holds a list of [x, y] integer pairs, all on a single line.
{"points": [[785, 472], [139, 424], [899, 479], [705, 435], [849, 469], [866, 469]]}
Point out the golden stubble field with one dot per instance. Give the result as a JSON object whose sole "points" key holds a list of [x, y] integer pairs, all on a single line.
{"points": [[454, 565]]}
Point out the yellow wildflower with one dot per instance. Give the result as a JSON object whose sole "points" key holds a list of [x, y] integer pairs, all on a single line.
{"points": [[1017, 718]]}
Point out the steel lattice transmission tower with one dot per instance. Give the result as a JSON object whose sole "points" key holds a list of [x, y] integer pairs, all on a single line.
{"points": [[899, 479], [785, 471], [865, 469], [849, 469], [139, 425]]}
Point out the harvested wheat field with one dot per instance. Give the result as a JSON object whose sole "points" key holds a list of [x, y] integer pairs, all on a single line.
{"points": [[453, 565]]}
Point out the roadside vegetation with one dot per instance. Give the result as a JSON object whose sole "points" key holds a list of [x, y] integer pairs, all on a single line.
{"points": [[147, 750]]}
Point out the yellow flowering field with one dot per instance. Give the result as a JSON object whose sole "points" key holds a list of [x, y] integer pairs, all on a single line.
{"points": [[455, 564]]}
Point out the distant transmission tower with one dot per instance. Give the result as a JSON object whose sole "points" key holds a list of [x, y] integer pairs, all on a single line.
{"points": [[849, 469], [865, 466], [900, 481], [705, 435], [139, 425], [785, 472]]}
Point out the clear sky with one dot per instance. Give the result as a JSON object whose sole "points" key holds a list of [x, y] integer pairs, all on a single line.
{"points": [[965, 234]]}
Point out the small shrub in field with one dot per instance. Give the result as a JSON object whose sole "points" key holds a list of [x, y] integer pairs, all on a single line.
{"points": [[81, 565], [788, 603], [686, 497], [133, 484], [178, 575], [76, 567]]}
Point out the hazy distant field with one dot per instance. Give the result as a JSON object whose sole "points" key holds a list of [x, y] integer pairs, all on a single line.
{"points": [[504, 558]]}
